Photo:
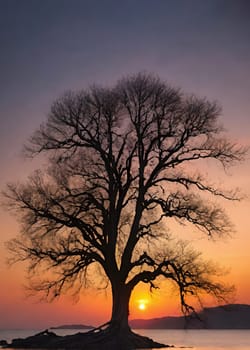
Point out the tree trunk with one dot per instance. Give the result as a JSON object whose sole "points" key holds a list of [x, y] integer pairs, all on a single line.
{"points": [[120, 309], [117, 335]]}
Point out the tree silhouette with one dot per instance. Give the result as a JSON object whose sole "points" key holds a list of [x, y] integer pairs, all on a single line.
{"points": [[123, 162]]}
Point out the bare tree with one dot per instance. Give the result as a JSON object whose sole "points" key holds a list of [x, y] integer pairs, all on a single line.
{"points": [[120, 169]]}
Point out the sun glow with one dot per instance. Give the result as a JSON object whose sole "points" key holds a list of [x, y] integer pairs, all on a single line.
{"points": [[142, 304]]}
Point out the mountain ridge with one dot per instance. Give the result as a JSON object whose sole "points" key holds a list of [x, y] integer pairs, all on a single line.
{"points": [[230, 316], [73, 326]]}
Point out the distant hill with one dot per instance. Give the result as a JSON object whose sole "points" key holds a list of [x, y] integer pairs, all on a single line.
{"points": [[73, 326], [233, 316]]}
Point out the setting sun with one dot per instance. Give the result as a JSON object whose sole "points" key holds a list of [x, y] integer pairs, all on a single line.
{"points": [[142, 304]]}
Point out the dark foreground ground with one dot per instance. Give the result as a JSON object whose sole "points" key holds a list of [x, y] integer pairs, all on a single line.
{"points": [[94, 340]]}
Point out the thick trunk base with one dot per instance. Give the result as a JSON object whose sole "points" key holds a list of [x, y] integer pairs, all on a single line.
{"points": [[97, 339]]}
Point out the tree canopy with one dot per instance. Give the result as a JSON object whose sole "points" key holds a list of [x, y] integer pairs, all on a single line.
{"points": [[122, 163]]}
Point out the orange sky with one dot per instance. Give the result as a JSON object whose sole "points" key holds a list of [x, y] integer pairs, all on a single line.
{"points": [[47, 48], [94, 306]]}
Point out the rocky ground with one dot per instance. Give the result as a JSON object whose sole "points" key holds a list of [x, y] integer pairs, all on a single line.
{"points": [[97, 339]]}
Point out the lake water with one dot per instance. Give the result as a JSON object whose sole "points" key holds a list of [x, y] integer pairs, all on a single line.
{"points": [[195, 339]]}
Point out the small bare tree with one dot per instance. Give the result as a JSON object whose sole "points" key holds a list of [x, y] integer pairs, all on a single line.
{"points": [[120, 168]]}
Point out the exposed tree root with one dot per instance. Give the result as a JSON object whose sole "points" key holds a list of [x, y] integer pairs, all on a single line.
{"points": [[98, 338]]}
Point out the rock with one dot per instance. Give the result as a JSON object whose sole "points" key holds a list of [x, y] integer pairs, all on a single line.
{"points": [[106, 339], [3, 342]]}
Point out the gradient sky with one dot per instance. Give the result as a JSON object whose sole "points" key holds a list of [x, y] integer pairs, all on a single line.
{"points": [[51, 46]]}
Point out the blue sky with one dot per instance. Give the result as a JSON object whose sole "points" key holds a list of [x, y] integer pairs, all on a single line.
{"points": [[49, 46]]}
